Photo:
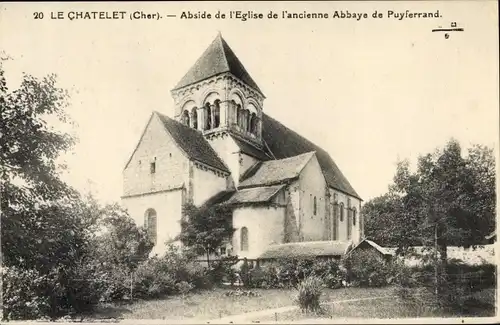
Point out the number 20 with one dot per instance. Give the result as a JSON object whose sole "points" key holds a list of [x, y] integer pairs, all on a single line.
{"points": [[38, 15]]}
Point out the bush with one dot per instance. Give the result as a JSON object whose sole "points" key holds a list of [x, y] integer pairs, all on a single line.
{"points": [[28, 294], [22, 297], [367, 269], [309, 293], [222, 270], [154, 279], [170, 274]]}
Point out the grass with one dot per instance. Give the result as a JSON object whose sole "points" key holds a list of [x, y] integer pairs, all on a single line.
{"points": [[388, 308], [212, 304]]}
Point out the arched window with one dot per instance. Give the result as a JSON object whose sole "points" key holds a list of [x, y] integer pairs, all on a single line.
{"points": [[208, 117], [246, 115], [216, 113], [335, 222], [253, 123], [238, 114], [150, 223], [244, 239], [194, 116], [315, 206], [341, 214], [249, 122], [185, 117], [354, 216]]}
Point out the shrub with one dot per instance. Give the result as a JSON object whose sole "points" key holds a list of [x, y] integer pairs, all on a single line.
{"points": [[309, 292], [367, 268], [222, 270], [21, 294], [170, 274], [29, 294], [154, 279]]}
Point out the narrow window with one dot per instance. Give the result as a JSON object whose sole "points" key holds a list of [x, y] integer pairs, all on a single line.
{"points": [[208, 117], [341, 214], [194, 115], [217, 113], [238, 115], [249, 121], [244, 239], [354, 216], [150, 223], [253, 124], [315, 207], [152, 167], [335, 222], [185, 118]]}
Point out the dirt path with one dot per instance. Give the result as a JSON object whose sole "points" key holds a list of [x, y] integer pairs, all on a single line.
{"points": [[256, 315]]}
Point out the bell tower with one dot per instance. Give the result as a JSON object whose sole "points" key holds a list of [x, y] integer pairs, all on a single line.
{"points": [[217, 96]]}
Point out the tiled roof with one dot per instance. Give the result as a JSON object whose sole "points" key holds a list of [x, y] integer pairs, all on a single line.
{"points": [[217, 58], [306, 249], [254, 195], [380, 249], [192, 143], [275, 171], [251, 150], [285, 143]]}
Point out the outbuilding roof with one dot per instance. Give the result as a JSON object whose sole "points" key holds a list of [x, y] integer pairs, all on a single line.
{"points": [[306, 249]]}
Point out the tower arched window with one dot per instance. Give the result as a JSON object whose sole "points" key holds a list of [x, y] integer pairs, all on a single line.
{"points": [[246, 119], [341, 212], [249, 122], [244, 239], [315, 206], [216, 113], [253, 123], [150, 223], [185, 117], [208, 117], [194, 116], [238, 114]]}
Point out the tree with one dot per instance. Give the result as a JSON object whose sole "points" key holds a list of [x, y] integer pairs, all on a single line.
{"points": [[123, 243], [33, 195], [448, 200], [46, 226], [205, 229]]}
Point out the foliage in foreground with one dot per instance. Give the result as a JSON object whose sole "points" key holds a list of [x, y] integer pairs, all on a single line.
{"points": [[54, 263], [309, 293], [416, 285]]}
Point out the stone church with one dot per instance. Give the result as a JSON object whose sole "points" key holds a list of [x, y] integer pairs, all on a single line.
{"points": [[220, 147]]}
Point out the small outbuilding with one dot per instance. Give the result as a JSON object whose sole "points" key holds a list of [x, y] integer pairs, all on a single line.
{"points": [[366, 244]]}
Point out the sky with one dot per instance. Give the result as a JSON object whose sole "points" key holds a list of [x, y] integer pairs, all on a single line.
{"points": [[369, 91]]}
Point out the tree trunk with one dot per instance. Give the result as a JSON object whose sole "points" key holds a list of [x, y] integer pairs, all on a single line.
{"points": [[208, 259], [443, 264]]}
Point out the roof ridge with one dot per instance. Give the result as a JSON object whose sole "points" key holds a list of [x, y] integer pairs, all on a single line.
{"points": [[304, 138], [224, 57], [333, 175]]}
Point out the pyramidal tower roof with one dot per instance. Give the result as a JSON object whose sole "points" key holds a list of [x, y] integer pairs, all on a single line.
{"points": [[218, 58]]}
